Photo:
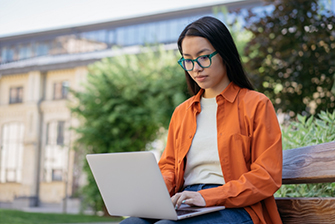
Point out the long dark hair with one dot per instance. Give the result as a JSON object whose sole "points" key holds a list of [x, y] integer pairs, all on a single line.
{"points": [[219, 36]]}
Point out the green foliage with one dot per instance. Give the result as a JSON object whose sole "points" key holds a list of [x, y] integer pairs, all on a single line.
{"points": [[20, 217], [127, 100], [303, 132], [307, 190], [291, 57], [309, 131]]}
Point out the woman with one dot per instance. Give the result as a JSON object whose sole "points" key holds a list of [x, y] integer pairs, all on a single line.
{"points": [[224, 143]]}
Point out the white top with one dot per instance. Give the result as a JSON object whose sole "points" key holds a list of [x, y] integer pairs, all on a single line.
{"points": [[203, 164]]}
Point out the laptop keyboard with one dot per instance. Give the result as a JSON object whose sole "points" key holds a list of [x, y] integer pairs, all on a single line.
{"points": [[185, 211]]}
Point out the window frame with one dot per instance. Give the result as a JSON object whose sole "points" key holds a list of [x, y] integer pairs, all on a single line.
{"points": [[55, 151], [60, 90], [17, 97], [11, 152]]}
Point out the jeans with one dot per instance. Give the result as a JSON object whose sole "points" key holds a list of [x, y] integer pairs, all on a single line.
{"points": [[228, 215]]}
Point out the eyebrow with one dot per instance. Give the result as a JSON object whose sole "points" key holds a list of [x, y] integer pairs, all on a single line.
{"points": [[199, 52]]}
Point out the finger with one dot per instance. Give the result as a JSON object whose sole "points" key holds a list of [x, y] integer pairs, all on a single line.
{"points": [[175, 198], [183, 199], [179, 202], [187, 201]]}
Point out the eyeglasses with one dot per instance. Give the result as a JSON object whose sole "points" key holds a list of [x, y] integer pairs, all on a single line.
{"points": [[204, 61]]}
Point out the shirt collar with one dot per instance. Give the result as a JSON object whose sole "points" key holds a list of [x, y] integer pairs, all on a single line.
{"points": [[230, 92]]}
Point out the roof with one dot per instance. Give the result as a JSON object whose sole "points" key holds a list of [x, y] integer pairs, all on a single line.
{"points": [[55, 62]]}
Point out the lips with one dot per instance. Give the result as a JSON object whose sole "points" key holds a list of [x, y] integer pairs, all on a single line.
{"points": [[200, 78]]}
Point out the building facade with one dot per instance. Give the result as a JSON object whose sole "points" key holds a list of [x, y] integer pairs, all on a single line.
{"points": [[37, 160], [38, 165]]}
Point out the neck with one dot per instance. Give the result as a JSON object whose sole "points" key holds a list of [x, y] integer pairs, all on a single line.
{"points": [[211, 93]]}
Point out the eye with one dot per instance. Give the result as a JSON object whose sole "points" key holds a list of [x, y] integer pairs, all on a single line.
{"points": [[187, 61], [204, 57]]}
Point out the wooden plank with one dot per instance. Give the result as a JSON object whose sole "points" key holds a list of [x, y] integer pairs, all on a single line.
{"points": [[306, 210], [311, 164]]}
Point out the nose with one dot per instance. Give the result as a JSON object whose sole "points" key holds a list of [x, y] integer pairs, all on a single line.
{"points": [[197, 67]]}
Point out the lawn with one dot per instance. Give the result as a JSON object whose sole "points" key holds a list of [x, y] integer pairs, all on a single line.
{"points": [[20, 217]]}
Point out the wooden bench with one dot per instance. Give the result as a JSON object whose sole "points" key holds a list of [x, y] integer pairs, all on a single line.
{"points": [[311, 164]]}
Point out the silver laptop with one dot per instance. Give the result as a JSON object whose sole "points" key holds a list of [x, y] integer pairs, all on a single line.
{"points": [[131, 184]]}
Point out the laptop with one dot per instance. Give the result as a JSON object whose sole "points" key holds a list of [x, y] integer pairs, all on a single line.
{"points": [[131, 184]]}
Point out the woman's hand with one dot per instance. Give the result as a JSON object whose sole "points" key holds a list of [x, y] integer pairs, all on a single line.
{"points": [[191, 198]]}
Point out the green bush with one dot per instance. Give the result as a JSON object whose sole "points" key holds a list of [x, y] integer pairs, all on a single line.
{"points": [[303, 132]]}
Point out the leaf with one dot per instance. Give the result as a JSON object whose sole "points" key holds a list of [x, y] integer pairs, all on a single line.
{"points": [[302, 119], [309, 122]]}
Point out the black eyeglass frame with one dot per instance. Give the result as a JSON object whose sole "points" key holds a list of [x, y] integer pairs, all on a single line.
{"points": [[181, 60]]}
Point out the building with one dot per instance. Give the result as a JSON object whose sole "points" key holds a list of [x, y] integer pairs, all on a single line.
{"points": [[38, 166]]}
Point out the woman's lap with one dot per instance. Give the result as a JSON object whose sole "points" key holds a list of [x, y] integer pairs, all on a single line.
{"points": [[238, 215], [230, 215]]}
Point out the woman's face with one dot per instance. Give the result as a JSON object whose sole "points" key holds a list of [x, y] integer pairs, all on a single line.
{"points": [[213, 79]]}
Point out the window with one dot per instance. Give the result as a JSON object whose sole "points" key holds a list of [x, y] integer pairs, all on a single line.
{"points": [[55, 133], [60, 133], [130, 35], [3, 55], [57, 175], [151, 34], [120, 36], [142, 34], [162, 34], [11, 152], [25, 51], [41, 48], [15, 95], [56, 151], [111, 37], [7, 54], [61, 90]]}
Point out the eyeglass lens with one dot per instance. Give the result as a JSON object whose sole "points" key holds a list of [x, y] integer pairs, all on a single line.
{"points": [[203, 61]]}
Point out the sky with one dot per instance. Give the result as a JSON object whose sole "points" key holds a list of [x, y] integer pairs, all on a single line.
{"points": [[24, 16]]}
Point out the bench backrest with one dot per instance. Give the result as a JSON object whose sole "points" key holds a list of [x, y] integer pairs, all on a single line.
{"points": [[311, 164]]}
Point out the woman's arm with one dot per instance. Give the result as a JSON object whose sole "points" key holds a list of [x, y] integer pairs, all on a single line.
{"points": [[167, 160]]}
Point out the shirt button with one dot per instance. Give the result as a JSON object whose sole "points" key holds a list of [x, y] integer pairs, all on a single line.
{"points": [[190, 136]]}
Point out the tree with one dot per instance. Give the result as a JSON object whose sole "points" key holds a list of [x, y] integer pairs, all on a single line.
{"points": [[291, 57], [126, 102]]}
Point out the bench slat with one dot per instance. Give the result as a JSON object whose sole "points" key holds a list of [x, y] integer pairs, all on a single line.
{"points": [[310, 164], [306, 210]]}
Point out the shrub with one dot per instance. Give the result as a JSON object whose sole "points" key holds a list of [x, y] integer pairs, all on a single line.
{"points": [[303, 132]]}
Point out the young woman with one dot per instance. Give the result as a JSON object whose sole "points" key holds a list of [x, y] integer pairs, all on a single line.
{"points": [[224, 143]]}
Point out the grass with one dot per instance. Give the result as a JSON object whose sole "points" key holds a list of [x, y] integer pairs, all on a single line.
{"points": [[20, 217]]}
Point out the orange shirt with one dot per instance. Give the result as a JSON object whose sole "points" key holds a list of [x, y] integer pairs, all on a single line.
{"points": [[250, 151]]}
